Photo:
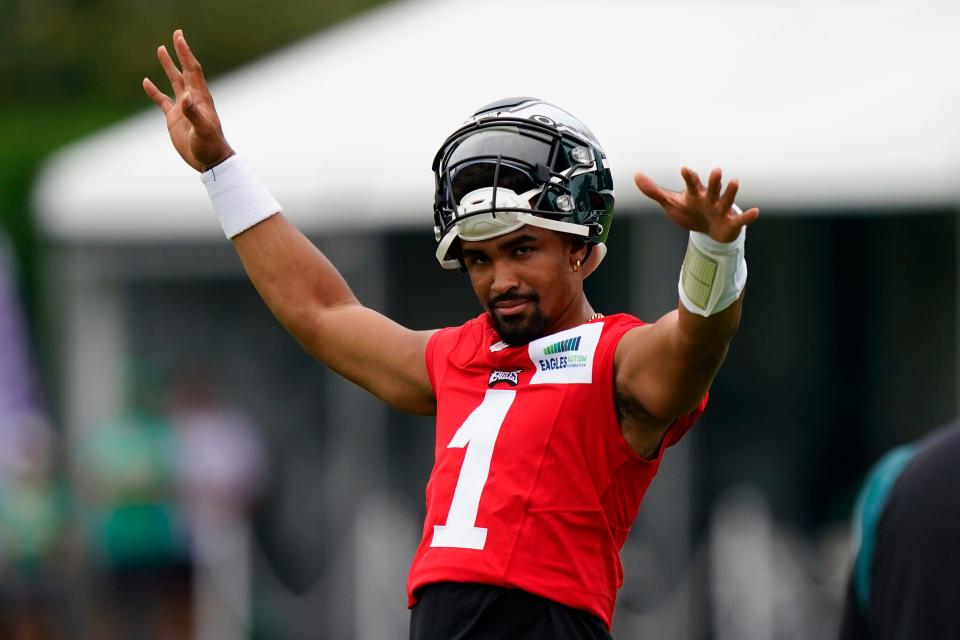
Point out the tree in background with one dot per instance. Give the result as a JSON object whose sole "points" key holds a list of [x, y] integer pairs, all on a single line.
{"points": [[69, 67]]}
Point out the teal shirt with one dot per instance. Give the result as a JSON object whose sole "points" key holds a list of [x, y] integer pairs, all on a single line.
{"points": [[133, 466], [870, 505]]}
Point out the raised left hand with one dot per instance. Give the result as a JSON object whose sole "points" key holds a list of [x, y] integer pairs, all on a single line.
{"points": [[700, 208]]}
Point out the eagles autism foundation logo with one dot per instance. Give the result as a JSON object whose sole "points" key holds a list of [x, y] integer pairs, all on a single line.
{"points": [[570, 344], [565, 357], [553, 360]]}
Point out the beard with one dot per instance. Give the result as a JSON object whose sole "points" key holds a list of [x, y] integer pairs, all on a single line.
{"points": [[520, 329]]}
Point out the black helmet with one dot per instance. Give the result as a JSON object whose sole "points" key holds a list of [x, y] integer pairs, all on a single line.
{"points": [[520, 161]]}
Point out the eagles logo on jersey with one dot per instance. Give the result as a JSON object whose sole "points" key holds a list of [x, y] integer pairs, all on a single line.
{"points": [[512, 378], [520, 161]]}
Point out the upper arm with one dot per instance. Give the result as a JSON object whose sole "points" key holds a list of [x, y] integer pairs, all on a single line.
{"points": [[312, 300], [667, 367], [373, 351]]}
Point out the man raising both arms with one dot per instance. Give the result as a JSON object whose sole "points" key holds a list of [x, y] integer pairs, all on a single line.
{"points": [[550, 418]]}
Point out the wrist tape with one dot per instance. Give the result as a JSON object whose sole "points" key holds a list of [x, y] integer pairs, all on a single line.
{"points": [[238, 196], [713, 274]]}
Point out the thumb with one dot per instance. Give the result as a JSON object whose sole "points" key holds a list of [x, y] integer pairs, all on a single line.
{"points": [[749, 216], [650, 188]]}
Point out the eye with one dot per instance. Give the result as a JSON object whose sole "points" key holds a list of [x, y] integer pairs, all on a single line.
{"points": [[522, 251]]}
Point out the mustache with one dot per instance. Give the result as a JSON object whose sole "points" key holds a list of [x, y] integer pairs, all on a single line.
{"points": [[513, 296]]}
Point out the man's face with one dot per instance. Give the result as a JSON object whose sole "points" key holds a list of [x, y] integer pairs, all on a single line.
{"points": [[524, 280]]}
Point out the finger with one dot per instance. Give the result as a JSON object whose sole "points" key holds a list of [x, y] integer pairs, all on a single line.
{"points": [[713, 184], [188, 61], [192, 71], [170, 68], [651, 189], [200, 122], [161, 99], [748, 217], [730, 195], [692, 179]]}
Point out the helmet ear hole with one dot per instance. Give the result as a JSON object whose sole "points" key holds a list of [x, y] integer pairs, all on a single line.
{"points": [[597, 202]]}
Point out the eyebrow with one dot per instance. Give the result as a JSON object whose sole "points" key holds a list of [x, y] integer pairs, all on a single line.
{"points": [[516, 242], [506, 246]]}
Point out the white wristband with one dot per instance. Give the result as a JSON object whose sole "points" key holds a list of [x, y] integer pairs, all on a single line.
{"points": [[713, 274], [238, 196]]}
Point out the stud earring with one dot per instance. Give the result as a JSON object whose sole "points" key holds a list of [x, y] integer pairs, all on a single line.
{"points": [[576, 266]]}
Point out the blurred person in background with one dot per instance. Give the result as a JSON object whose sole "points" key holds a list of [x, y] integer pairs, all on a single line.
{"points": [[35, 551], [34, 524], [136, 523], [905, 582], [222, 471], [551, 418]]}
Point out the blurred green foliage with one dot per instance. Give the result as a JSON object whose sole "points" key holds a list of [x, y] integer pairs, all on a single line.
{"points": [[69, 67]]}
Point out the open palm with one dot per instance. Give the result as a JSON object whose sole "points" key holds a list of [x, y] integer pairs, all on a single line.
{"points": [[192, 120]]}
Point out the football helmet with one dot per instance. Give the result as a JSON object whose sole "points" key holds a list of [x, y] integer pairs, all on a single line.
{"points": [[520, 161]]}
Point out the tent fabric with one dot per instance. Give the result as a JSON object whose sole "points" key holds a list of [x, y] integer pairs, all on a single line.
{"points": [[814, 105]]}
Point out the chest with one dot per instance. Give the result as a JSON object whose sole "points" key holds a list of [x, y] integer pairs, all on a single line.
{"points": [[551, 397]]}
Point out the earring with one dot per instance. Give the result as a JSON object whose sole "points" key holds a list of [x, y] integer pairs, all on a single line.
{"points": [[576, 266]]}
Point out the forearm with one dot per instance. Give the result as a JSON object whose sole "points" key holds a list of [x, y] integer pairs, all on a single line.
{"points": [[699, 337], [711, 286], [293, 277]]}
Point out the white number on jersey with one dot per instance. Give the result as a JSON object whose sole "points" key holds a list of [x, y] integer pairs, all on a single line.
{"points": [[479, 431]]}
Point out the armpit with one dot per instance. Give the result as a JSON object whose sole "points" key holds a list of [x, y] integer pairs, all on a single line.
{"points": [[643, 432]]}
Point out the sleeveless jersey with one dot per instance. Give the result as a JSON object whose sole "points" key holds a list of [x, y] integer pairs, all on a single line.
{"points": [[534, 486]]}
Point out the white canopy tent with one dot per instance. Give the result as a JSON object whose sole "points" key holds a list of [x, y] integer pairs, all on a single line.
{"points": [[811, 104]]}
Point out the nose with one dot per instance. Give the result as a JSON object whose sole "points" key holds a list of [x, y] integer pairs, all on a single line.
{"points": [[504, 277]]}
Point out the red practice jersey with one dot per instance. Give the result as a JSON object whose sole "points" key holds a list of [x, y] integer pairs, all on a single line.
{"points": [[534, 486]]}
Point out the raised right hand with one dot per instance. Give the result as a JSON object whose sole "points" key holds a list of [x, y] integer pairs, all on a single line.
{"points": [[192, 119]]}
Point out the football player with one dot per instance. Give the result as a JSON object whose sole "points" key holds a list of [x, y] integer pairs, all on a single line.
{"points": [[903, 583], [551, 419]]}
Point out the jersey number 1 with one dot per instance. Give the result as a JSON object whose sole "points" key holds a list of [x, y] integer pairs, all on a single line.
{"points": [[479, 431]]}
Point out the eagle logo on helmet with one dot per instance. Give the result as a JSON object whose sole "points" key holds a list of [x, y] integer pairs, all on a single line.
{"points": [[520, 161]]}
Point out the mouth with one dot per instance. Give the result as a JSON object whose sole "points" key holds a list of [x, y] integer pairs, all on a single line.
{"points": [[508, 308], [512, 304]]}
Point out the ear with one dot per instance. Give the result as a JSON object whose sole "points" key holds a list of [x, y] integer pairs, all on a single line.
{"points": [[578, 250], [593, 260]]}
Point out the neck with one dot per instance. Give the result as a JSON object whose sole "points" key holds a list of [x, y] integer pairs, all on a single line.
{"points": [[577, 313]]}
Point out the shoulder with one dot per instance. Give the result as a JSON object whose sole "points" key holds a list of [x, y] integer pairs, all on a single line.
{"points": [[471, 333], [618, 330], [456, 346], [617, 325], [623, 319], [871, 504]]}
